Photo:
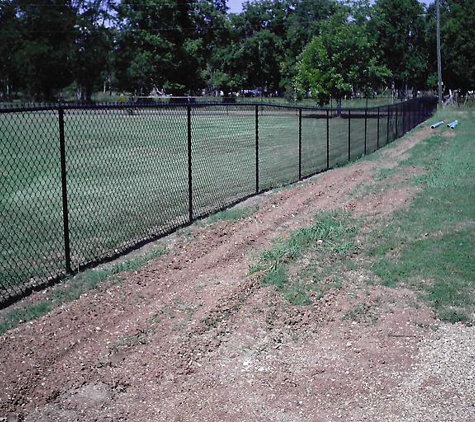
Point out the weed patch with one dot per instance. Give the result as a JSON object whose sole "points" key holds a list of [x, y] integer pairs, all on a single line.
{"points": [[330, 237], [233, 214]]}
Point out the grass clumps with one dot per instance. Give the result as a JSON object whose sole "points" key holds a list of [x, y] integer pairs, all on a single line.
{"points": [[233, 214], [330, 237]]}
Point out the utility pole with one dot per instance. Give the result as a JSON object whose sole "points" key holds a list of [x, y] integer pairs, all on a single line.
{"points": [[439, 57]]}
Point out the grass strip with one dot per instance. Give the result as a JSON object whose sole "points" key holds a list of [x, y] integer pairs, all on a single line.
{"points": [[71, 290], [431, 246]]}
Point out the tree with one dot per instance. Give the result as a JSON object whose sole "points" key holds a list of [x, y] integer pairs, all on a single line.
{"points": [[157, 46], [260, 50], [303, 21], [93, 45], [44, 58], [457, 40], [213, 29], [169, 43], [339, 62], [399, 28], [10, 36]]}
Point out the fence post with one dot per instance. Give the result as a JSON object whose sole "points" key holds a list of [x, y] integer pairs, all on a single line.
{"points": [[257, 148], [365, 128], [190, 175], [64, 189], [397, 127], [300, 144], [328, 141], [349, 135], [377, 133], [404, 120], [387, 128], [413, 115]]}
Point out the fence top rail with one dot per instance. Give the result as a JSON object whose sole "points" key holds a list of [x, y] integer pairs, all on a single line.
{"points": [[138, 105]]}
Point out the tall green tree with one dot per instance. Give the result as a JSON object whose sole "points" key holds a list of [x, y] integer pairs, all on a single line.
{"points": [[44, 58], [10, 37], [260, 53], [169, 43], [214, 31], [303, 21], [339, 61], [399, 28], [157, 46], [92, 59], [457, 42]]}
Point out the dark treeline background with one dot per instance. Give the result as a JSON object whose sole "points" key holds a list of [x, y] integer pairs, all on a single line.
{"points": [[283, 47]]}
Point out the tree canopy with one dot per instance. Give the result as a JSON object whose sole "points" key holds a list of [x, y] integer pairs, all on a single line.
{"points": [[340, 61], [327, 47]]}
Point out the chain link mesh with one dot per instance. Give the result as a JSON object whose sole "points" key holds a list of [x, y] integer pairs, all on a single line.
{"points": [[81, 184], [127, 177], [278, 146], [357, 133], [338, 130], [372, 123], [223, 154], [31, 240], [314, 141]]}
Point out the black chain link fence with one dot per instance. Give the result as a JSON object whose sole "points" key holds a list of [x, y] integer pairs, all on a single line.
{"points": [[83, 184]]}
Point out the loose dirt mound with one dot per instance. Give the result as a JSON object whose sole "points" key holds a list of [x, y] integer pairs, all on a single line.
{"points": [[193, 337]]}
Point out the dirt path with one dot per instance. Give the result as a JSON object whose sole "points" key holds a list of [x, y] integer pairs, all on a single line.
{"points": [[192, 337]]}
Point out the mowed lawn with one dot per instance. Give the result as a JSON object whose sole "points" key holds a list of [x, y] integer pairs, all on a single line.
{"points": [[127, 174]]}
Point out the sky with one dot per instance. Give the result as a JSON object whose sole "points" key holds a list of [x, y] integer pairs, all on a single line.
{"points": [[235, 6]]}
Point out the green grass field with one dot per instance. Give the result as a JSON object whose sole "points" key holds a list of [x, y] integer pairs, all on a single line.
{"points": [[127, 174]]}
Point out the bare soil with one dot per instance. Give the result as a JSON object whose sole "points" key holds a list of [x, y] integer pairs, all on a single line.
{"points": [[192, 336]]}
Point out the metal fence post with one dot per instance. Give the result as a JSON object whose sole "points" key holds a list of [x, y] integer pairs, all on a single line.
{"points": [[377, 133], [365, 129], [257, 148], [190, 175], [328, 141], [411, 115], [64, 189], [404, 119], [349, 135], [387, 128], [300, 144], [397, 124]]}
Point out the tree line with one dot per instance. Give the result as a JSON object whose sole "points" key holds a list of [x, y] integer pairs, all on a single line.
{"points": [[292, 48]]}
